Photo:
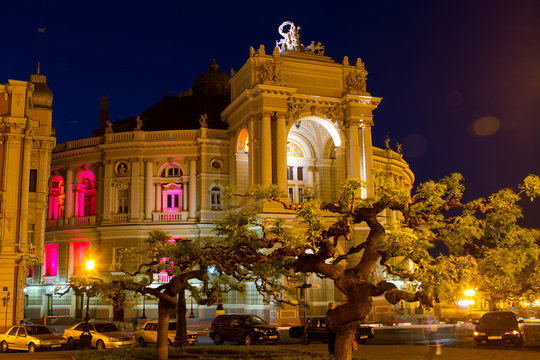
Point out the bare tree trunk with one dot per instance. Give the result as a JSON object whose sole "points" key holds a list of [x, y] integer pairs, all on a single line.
{"points": [[180, 338], [118, 313], [344, 343], [162, 346]]}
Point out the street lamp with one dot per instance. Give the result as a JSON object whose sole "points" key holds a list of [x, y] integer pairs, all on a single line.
{"points": [[143, 316], [470, 293], [90, 265]]}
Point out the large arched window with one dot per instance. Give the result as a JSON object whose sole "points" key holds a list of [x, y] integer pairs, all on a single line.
{"points": [[85, 194], [56, 198], [216, 197]]}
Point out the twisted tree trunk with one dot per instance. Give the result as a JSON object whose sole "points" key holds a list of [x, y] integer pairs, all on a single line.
{"points": [[162, 346], [180, 339]]}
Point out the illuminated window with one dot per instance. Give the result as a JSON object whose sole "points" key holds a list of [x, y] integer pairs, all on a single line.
{"points": [[243, 142], [172, 197], [79, 253], [216, 198], [51, 260], [56, 198]]}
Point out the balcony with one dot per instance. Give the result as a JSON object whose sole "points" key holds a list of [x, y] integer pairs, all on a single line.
{"points": [[83, 220], [169, 216], [56, 223], [119, 218]]}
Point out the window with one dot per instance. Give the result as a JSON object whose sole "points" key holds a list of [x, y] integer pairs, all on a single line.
{"points": [[85, 194], [13, 331], [117, 255], [123, 201], [172, 171], [30, 239], [300, 173], [51, 260], [33, 180], [79, 253], [300, 194], [172, 197], [22, 332], [216, 198], [290, 173], [291, 193]]}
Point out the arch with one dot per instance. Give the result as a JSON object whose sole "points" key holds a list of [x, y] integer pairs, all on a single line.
{"points": [[334, 133], [166, 165], [242, 142], [85, 194], [56, 197]]}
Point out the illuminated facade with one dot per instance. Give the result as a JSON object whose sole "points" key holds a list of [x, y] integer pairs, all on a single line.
{"points": [[26, 142], [294, 118]]}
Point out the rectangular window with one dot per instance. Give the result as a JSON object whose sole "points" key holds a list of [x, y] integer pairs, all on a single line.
{"points": [[290, 173], [33, 180], [300, 173], [79, 254], [291, 193], [176, 200], [117, 255], [30, 239], [79, 303], [300, 194], [51, 260], [123, 201], [169, 201]]}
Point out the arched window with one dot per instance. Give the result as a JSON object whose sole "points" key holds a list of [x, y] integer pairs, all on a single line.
{"points": [[172, 171], [85, 194], [243, 142], [56, 198], [216, 198]]}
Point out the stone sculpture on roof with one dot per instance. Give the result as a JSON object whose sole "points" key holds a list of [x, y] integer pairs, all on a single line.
{"points": [[291, 40]]}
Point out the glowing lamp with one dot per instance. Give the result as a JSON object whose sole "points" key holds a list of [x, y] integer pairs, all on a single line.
{"points": [[90, 264], [470, 293]]}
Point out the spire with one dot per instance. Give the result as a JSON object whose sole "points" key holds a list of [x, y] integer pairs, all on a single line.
{"points": [[41, 32]]}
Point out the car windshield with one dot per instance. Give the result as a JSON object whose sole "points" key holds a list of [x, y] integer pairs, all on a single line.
{"points": [[37, 330], [253, 320], [103, 328], [498, 320]]}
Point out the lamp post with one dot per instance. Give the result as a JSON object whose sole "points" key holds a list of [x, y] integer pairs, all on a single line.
{"points": [[143, 316], [90, 265], [191, 313]]}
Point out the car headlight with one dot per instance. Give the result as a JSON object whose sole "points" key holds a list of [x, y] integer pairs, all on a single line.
{"points": [[258, 330], [113, 339], [514, 332], [478, 333]]}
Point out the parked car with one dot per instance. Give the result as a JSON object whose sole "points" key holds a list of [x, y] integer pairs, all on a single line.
{"points": [[148, 334], [500, 327], [104, 335], [243, 328], [316, 330], [31, 338]]}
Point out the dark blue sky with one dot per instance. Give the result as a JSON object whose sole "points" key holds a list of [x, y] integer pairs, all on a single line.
{"points": [[439, 66]]}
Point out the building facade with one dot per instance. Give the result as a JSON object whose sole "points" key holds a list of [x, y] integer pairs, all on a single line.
{"points": [[26, 142], [294, 118]]}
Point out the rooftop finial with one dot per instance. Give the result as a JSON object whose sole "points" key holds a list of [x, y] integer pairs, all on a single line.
{"points": [[41, 32]]}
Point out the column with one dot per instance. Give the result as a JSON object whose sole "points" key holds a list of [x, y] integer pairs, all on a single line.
{"points": [[148, 191], [134, 193], [107, 190], [266, 149], [24, 191], [68, 204], [366, 151], [353, 151], [281, 153], [192, 203], [158, 198]]}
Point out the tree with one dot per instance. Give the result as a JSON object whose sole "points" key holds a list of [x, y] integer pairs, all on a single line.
{"points": [[473, 235]]}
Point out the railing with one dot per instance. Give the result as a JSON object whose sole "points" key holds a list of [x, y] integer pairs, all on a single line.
{"points": [[51, 224], [120, 218], [31, 250], [169, 216], [83, 220]]}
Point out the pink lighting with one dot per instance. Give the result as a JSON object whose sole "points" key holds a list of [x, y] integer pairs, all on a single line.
{"points": [[85, 194], [56, 198], [51, 259], [172, 197]]}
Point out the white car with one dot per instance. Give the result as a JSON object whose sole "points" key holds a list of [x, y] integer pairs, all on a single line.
{"points": [[148, 334], [104, 335], [31, 338]]}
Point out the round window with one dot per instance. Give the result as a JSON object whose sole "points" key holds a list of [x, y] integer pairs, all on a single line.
{"points": [[216, 164]]}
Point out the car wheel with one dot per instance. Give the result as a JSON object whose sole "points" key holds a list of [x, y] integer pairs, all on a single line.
{"points": [[4, 347], [218, 340], [32, 347], [100, 345], [304, 339], [142, 343], [71, 344], [248, 340]]}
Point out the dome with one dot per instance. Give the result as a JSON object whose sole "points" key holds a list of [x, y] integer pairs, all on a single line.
{"points": [[212, 82], [43, 96]]}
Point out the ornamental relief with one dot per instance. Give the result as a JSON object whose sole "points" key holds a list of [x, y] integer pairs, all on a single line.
{"points": [[332, 112], [356, 81], [269, 72]]}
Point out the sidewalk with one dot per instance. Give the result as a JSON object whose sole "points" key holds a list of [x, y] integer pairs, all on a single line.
{"points": [[418, 352]]}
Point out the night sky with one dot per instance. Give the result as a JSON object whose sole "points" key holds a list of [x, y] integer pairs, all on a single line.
{"points": [[460, 80]]}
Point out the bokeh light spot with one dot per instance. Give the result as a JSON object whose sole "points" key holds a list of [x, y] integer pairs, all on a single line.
{"points": [[486, 125], [414, 145]]}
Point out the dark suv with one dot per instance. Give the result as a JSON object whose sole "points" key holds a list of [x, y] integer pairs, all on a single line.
{"points": [[316, 330], [498, 327], [243, 328]]}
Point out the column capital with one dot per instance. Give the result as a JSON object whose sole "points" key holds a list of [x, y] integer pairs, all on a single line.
{"points": [[266, 113], [192, 158]]}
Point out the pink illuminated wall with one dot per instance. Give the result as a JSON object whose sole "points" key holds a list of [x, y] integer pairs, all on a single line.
{"points": [[56, 198], [51, 259], [85, 194], [79, 253]]}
